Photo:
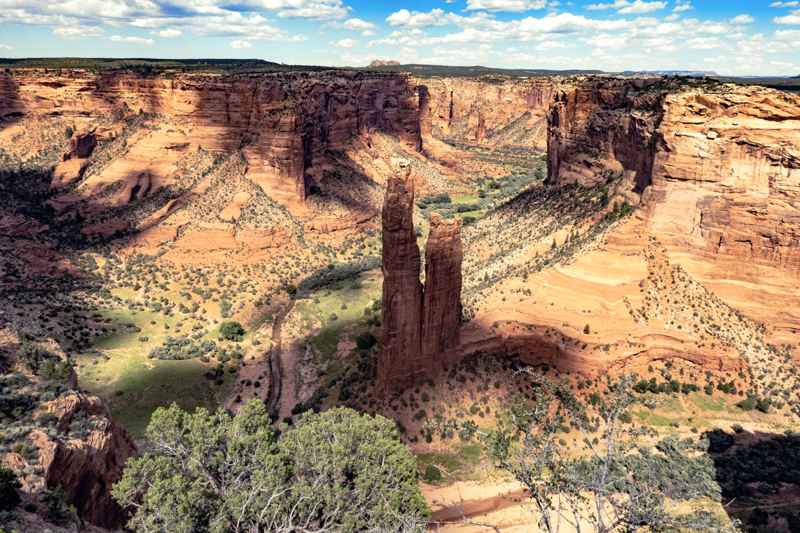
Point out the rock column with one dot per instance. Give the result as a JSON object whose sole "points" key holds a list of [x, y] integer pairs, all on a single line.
{"points": [[420, 324]]}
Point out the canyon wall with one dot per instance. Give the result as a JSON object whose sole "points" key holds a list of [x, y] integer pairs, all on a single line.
{"points": [[490, 111], [717, 165], [284, 123], [420, 324]]}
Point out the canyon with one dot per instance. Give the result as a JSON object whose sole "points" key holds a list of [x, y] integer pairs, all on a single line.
{"points": [[590, 225]]}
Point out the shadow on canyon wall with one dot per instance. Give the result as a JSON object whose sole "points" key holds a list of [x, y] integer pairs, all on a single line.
{"points": [[759, 474], [10, 105]]}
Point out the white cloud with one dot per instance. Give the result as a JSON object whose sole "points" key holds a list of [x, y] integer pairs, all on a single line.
{"points": [[345, 43], [169, 33], [785, 4], [417, 19], [682, 5], [239, 44], [626, 7], [132, 40], [793, 18], [742, 19], [6, 47], [506, 5], [74, 32], [358, 24]]}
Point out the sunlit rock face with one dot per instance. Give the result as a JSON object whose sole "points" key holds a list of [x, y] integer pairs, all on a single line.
{"points": [[717, 165]]}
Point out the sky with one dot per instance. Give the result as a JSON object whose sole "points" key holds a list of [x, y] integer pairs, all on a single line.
{"points": [[735, 37]]}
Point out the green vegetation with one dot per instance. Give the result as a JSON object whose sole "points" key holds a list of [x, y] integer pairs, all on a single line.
{"points": [[213, 472], [615, 484], [144, 66], [9, 489], [232, 331]]}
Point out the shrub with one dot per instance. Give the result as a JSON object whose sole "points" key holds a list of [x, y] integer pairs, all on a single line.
{"points": [[9, 487], [432, 474], [748, 404], [232, 331], [360, 476], [365, 341]]}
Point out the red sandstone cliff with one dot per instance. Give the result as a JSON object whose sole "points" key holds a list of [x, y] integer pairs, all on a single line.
{"points": [[718, 165], [491, 111], [400, 361], [285, 123]]}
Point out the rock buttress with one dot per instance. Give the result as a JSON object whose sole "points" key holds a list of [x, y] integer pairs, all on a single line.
{"points": [[400, 361], [441, 308]]}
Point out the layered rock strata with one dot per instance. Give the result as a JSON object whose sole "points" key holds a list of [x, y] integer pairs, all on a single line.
{"points": [[490, 111], [717, 166], [284, 123], [420, 323]]}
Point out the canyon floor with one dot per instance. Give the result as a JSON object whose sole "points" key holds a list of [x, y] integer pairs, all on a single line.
{"points": [[131, 269]]}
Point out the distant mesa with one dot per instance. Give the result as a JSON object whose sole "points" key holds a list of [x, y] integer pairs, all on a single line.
{"points": [[383, 63]]}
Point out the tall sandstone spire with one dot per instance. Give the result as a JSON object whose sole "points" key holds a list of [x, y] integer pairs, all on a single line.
{"points": [[420, 324], [400, 360], [441, 305]]}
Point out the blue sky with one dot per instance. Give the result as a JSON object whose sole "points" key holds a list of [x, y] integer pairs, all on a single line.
{"points": [[727, 36]]}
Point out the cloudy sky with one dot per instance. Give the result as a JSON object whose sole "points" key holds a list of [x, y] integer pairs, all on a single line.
{"points": [[742, 37]]}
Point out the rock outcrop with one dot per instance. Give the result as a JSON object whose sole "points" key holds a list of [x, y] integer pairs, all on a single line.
{"points": [[420, 324], [717, 165], [86, 467], [441, 308], [75, 160]]}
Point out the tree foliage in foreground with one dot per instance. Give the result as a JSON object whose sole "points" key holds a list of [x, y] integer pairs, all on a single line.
{"points": [[616, 484], [333, 471]]}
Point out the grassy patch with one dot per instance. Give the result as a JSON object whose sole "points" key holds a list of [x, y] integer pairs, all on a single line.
{"points": [[460, 464], [651, 419], [708, 403]]}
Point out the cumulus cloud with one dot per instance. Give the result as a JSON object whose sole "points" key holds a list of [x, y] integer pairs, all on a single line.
{"points": [[345, 43], [74, 32], [626, 7], [240, 44], [418, 19], [169, 33], [793, 3], [127, 39], [793, 18], [506, 5], [742, 19], [6, 47], [682, 5], [358, 24]]}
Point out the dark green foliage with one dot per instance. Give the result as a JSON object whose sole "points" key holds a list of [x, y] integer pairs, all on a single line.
{"points": [[9, 489], [57, 509], [748, 404], [181, 348], [432, 474], [231, 331], [336, 471], [365, 341], [442, 198], [34, 355]]}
